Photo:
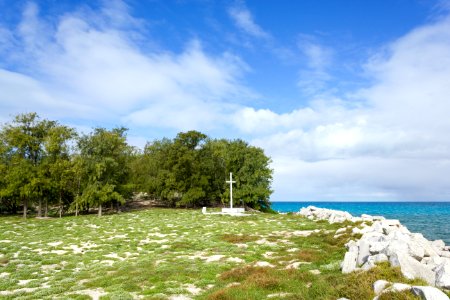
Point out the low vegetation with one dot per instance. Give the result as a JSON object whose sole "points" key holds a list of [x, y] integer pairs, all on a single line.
{"points": [[179, 254]]}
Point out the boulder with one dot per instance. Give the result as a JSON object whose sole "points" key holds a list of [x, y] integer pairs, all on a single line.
{"points": [[349, 263], [379, 286], [411, 268], [394, 247], [363, 251], [444, 254], [416, 251], [378, 247], [377, 258], [443, 275], [398, 287], [432, 261], [429, 293], [341, 230], [438, 245]]}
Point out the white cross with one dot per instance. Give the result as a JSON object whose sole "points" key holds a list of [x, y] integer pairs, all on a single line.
{"points": [[231, 189]]}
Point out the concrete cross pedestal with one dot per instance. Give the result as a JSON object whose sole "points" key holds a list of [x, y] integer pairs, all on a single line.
{"points": [[231, 209]]}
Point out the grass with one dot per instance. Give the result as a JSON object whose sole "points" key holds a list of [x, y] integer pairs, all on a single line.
{"points": [[169, 253]]}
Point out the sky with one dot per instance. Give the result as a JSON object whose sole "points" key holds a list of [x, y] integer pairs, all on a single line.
{"points": [[350, 99]]}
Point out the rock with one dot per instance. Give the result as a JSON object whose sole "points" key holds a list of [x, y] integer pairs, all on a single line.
{"points": [[395, 247], [433, 261], [443, 275], [368, 265], [416, 251], [378, 247], [399, 287], [429, 293], [356, 230], [377, 258], [363, 254], [411, 268], [379, 286], [349, 263], [444, 254], [438, 244], [341, 230], [315, 272]]}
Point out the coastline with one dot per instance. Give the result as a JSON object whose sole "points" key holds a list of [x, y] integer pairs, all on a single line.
{"points": [[428, 218], [378, 239]]}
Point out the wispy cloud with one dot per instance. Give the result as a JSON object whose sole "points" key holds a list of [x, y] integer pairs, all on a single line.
{"points": [[317, 59], [243, 19]]}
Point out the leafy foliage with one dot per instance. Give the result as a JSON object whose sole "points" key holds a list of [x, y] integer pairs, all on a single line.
{"points": [[47, 164]]}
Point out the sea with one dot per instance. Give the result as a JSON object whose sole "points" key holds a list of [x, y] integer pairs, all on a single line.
{"points": [[432, 219]]}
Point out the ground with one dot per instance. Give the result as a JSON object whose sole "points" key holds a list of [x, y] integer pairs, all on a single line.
{"points": [[178, 254]]}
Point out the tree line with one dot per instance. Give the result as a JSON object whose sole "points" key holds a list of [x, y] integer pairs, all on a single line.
{"points": [[45, 164]]}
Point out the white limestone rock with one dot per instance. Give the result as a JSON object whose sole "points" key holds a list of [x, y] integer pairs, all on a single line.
{"points": [[341, 230], [363, 252], [349, 263], [411, 268], [429, 293], [443, 275], [438, 244], [379, 286], [377, 258], [378, 247]]}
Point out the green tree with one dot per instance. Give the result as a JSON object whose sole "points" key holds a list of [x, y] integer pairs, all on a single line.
{"points": [[105, 156], [23, 144], [57, 163], [251, 170]]}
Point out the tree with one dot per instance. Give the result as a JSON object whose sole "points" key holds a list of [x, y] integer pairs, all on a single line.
{"points": [[57, 163], [251, 170], [23, 144], [104, 154]]}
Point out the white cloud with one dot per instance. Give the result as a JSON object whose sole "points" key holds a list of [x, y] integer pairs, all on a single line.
{"points": [[392, 145], [318, 58], [387, 141], [243, 19], [88, 65]]}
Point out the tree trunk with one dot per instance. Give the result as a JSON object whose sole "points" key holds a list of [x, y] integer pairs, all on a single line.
{"points": [[100, 210], [60, 204], [77, 197], [25, 208], [39, 212], [118, 207], [46, 208]]}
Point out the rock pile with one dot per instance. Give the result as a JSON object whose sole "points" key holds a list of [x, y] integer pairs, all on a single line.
{"points": [[334, 216], [424, 292], [388, 240]]}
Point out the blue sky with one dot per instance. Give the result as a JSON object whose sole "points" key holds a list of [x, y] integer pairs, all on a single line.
{"points": [[349, 98]]}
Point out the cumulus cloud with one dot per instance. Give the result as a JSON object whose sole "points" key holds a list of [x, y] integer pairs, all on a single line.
{"points": [[89, 64], [387, 141], [391, 145]]}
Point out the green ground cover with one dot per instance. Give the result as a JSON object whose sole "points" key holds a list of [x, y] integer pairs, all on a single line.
{"points": [[178, 254]]}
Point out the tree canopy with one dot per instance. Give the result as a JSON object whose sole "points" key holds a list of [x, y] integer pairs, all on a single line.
{"points": [[44, 163]]}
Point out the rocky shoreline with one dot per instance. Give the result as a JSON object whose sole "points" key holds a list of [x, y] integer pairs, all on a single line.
{"points": [[388, 240]]}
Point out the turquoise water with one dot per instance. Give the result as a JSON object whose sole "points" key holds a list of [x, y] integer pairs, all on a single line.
{"points": [[432, 219]]}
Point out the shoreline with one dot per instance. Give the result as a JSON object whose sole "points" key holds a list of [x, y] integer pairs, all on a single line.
{"points": [[379, 239], [426, 218]]}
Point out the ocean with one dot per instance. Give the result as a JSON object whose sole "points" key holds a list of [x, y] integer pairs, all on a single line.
{"points": [[432, 219]]}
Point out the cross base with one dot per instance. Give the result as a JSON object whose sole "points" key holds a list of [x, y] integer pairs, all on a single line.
{"points": [[234, 210]]}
